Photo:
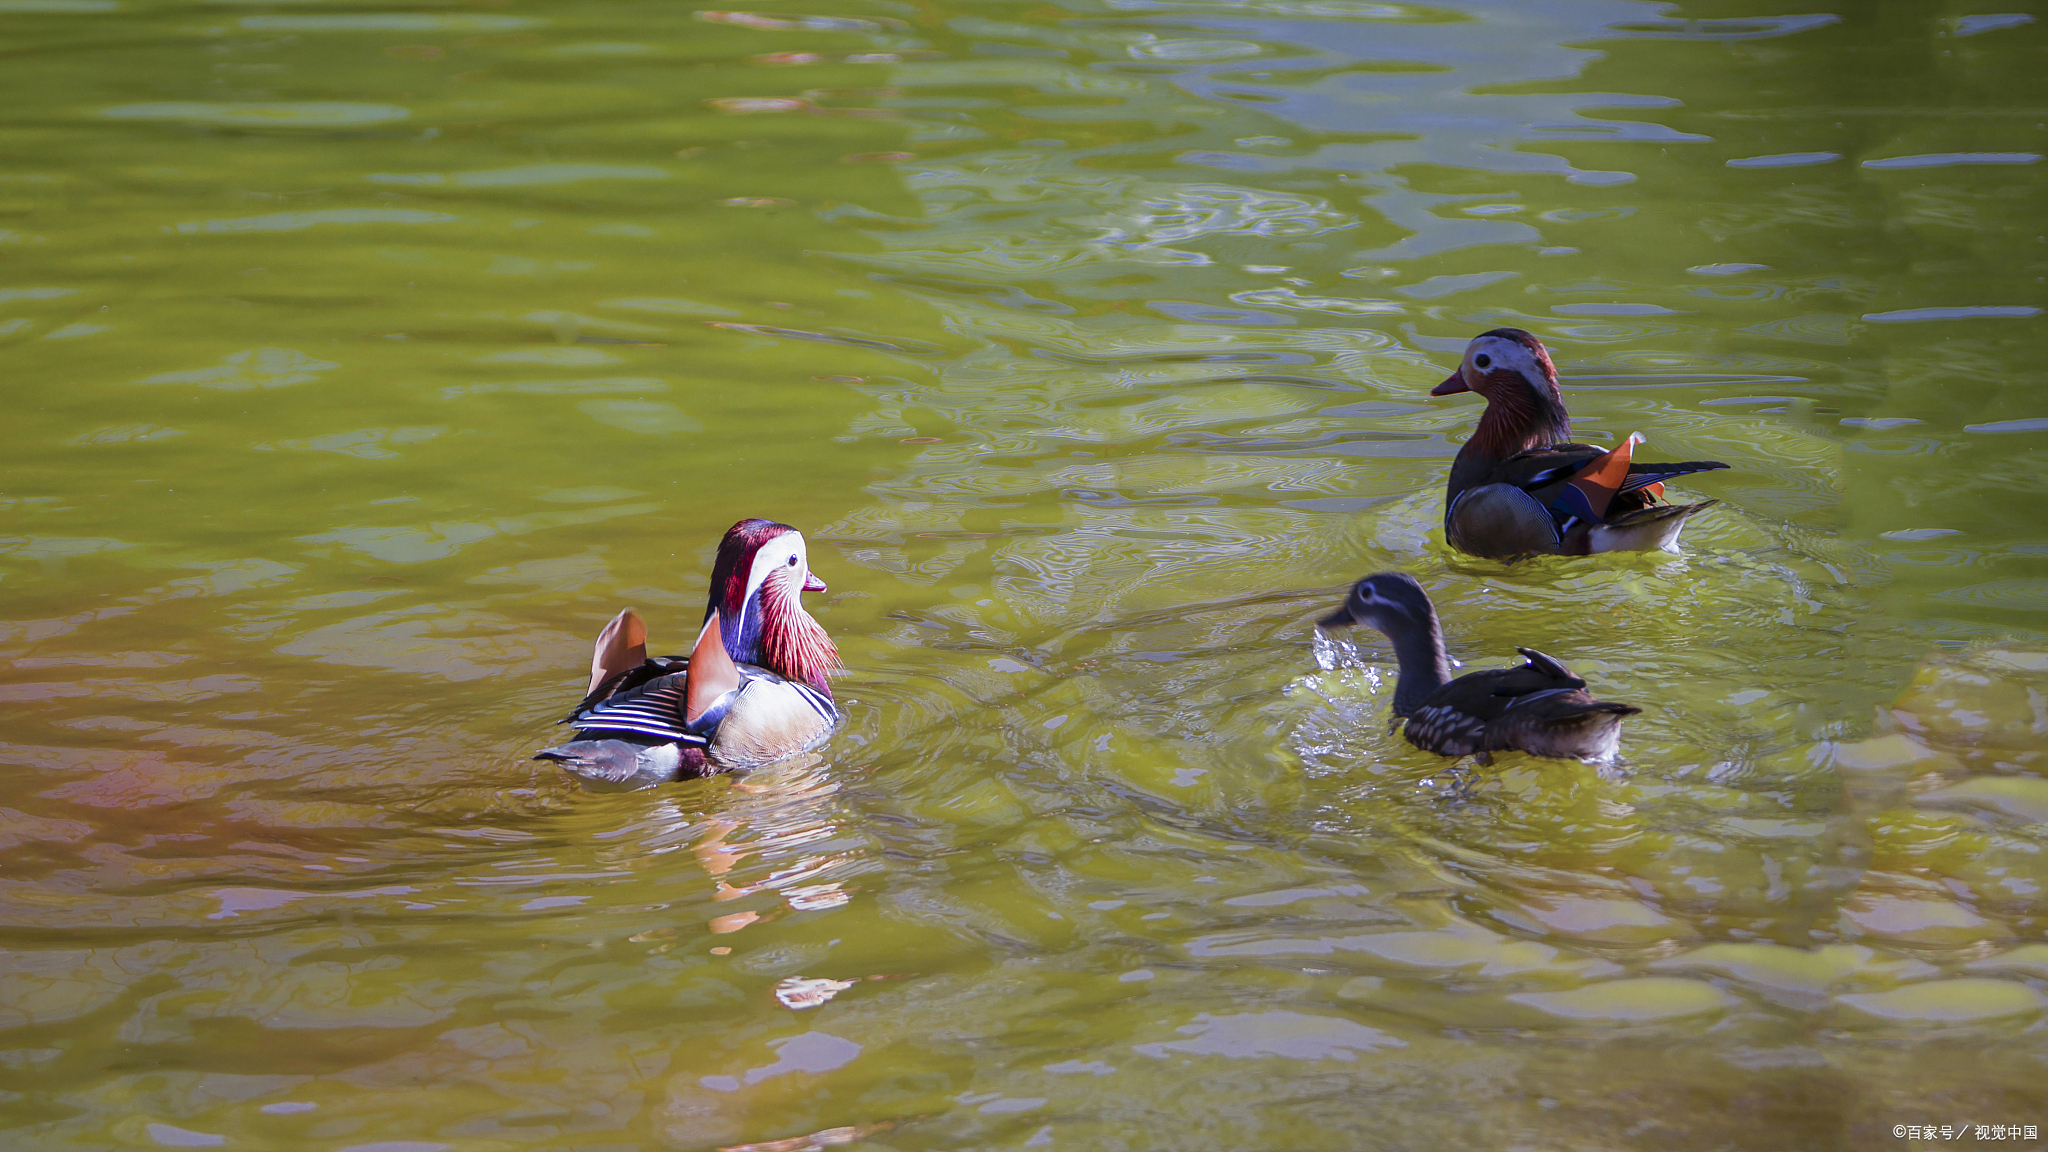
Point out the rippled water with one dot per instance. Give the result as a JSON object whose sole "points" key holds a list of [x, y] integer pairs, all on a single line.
{"points": [[363, 361]]}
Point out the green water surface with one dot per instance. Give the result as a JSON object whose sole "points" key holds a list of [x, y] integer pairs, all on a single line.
{"points": [[362, 360]]}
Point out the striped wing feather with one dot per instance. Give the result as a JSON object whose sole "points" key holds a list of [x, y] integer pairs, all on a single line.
{"points": [[625, 682], [647, 702], [649, 706]]}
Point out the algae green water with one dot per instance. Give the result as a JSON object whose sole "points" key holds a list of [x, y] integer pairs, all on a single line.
{"points": [[361, 360]]}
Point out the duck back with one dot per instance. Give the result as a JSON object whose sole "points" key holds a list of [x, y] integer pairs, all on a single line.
{"points": [[1540, 708]]}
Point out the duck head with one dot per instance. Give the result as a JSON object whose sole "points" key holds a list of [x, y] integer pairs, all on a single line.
{"points": [[1499, 359], [1511, 370], [1392, 602], [1395, 603], [756, 603]]}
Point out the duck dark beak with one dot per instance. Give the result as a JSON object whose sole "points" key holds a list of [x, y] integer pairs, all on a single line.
{"points": [[1341, 618], [1452, 386], [812, 583]]}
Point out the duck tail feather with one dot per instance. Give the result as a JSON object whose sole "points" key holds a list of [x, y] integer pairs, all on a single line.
{"points": [[1655, 526], [1576, 710], [1647, 475], [611, 761]]}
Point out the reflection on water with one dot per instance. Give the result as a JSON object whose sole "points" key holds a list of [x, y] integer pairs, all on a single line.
{"points": [[369, 361]]}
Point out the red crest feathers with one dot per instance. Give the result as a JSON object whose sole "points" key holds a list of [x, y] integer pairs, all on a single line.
{"points": [[735, 557]]}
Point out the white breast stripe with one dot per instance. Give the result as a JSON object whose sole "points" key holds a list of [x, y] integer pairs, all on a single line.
{"points": [[817, 700], [820, 702]]}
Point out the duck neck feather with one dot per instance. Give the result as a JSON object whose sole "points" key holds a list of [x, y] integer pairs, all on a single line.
{"points": [[1424, 667], [1519, 417], [793, 645]]}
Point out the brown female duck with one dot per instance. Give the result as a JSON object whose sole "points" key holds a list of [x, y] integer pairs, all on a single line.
{"points": [[1520, 487], [754, 689], [1539, 708]]}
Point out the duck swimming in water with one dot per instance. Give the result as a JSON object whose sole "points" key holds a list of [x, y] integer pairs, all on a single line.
{"points": [[1539, 708], [1520, 487], [754, 689]]}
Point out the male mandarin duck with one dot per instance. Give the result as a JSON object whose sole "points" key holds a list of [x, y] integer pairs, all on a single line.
{"points": [[1520, 487], [1539, 708], [754, 689]]}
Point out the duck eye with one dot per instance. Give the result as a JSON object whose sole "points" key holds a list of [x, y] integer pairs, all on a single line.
{"points": [[1483, 360], [792, 561]]}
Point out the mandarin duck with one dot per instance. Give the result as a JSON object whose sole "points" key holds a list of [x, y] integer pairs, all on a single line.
{"points": [[752, 691], [1539, 708], [1520, 487]]}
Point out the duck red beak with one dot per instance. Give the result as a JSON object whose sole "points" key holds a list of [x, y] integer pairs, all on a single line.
{"points": [[812, 583], [1452, 386]]}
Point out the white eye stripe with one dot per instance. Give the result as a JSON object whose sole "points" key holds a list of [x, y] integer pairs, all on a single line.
{"points": [[786, 550], [1373, 596], [1509, 354]]}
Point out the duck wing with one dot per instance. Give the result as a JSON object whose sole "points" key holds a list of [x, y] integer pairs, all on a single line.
{"points": [[1580, 480], [1545, 669], [1539, 467], [1454, 719], [1542, 467], [627, 680], [1560, 723], [646, 702], [1459, 718], [1548, 712], [1445, 726], [620, 647], [1645, 475]]}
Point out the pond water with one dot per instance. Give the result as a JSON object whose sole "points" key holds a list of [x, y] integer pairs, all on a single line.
{"points": [[363, 359]]}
